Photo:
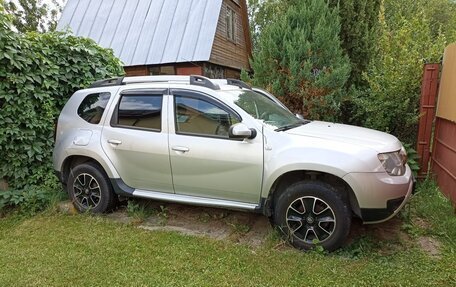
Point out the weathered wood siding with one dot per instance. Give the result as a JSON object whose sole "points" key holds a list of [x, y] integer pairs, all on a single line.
{"points": [[233, 54]]}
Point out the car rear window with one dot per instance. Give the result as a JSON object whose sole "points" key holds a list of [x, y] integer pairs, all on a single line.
{"points": [[93, 106]]}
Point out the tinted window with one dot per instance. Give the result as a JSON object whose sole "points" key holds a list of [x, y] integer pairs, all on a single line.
{"points": [[196, 116], [92, 107], [141, 111]]}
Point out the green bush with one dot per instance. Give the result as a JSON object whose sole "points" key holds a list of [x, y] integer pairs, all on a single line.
{"points": [[28, 201], [299, 58], [404, 43], [38, 73]]}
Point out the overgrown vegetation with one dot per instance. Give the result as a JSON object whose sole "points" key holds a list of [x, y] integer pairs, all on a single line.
{"points": [[387, 42], [30, 201], [299, 55], [47, 249], [432, 206], [38, 73], [358, 19], [405, 42]]}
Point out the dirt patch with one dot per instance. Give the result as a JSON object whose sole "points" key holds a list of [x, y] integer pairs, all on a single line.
{"points": [[242, 227], [385, 238], [67, 207], [386, 231], [430, 245], [221, 224]]}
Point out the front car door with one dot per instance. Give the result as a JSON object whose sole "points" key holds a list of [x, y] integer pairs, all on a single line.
{"points": [[136, 139], [205, 161]]}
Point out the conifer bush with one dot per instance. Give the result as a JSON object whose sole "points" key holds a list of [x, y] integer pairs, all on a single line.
{"points": [[299, 59]]}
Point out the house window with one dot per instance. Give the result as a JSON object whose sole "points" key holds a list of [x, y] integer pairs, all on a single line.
{"points": [[230, 24]]}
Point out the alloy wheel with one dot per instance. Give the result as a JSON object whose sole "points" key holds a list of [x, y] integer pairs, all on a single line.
{"points": [[310, 219], [87, 191]]}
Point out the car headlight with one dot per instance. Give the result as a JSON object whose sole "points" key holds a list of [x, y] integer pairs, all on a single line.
{"points": [[394, 162]]}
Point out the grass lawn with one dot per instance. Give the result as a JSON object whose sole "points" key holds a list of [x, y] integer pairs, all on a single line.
{"points": [[62, 250]]}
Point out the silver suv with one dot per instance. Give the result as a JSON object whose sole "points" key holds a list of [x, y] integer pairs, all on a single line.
{"points": [[194, 140]]}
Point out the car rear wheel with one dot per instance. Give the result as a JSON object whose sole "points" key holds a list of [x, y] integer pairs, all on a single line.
{"points": [[312, 213], [89, 189]]}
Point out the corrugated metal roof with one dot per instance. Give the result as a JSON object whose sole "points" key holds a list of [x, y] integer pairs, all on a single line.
{"points": [[146, 32]]}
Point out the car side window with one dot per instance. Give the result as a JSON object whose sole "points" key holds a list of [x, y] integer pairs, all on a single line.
{"points": [[196, 116], [139, 110], [93, 106]]}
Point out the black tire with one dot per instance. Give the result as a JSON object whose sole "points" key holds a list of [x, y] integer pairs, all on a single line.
{"points": [[306, 228], [90, 190]]}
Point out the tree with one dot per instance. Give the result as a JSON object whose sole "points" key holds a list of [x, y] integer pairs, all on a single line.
{"points": [[300, 59], [33, 15], [261, 13], [440, 14], [405, 42], [358, 18]]}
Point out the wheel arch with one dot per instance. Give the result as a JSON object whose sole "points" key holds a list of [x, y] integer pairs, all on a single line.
{"points": [[74, 160], [290, 177]]}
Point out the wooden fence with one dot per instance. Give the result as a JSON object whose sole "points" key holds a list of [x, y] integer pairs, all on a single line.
{"points": [[443, 163]]}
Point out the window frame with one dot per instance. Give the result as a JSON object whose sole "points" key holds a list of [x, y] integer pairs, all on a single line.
{"points": [[115, 114], [232, 13], [207, 98]]}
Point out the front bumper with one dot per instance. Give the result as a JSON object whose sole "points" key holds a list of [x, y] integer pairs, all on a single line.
{"points": [[393, 206], [380, 196]]}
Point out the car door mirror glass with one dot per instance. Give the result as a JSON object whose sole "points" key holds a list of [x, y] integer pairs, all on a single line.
{"points": [[241, 131]]}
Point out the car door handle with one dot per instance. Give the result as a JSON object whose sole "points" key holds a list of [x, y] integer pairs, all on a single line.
{"points": [[180, 148], [115, 142]]}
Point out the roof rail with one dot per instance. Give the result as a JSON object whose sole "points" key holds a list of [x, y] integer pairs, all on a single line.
{"points": [[204, 82], [108, 82], [155, 79], [192, 80], [238, 83]]}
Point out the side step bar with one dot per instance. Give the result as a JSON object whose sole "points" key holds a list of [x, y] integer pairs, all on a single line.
{"points": [[193, 200]]}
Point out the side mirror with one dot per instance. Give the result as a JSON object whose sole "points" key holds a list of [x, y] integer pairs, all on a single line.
{"points": [[241, 131], [299, 116]]}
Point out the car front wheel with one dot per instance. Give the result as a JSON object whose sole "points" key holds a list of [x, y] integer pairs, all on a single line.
{"points": [[312, 213]]}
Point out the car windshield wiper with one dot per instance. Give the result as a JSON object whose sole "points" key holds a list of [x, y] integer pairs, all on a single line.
{"points": [[290, 126]]}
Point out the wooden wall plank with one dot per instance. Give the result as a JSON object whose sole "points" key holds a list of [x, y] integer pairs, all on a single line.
{"points": [[226, 52]]}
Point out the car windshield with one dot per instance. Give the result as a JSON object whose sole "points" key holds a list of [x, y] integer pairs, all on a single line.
{"points": [[265, 110]]}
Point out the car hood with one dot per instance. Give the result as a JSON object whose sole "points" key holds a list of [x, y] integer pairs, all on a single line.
{"points": [[379, 141]]}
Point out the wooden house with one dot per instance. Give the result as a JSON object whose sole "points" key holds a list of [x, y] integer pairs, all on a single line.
{"points": [[167, 37]]}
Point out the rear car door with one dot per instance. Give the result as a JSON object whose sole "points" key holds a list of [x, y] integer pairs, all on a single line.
{"points": [[136, 139], [205, 161]]}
